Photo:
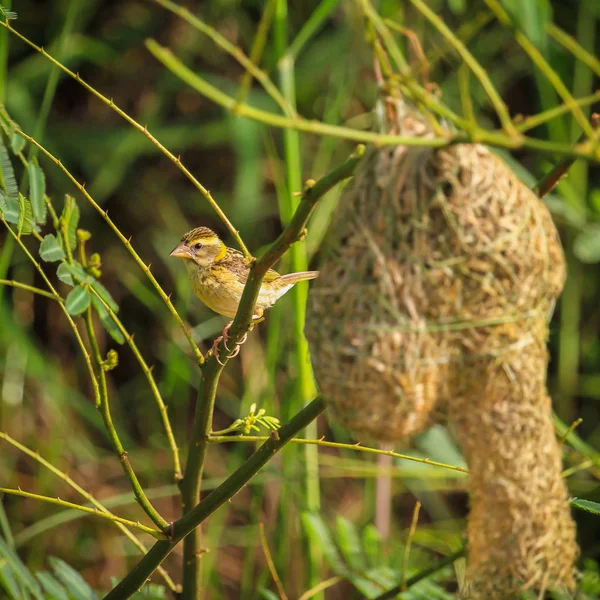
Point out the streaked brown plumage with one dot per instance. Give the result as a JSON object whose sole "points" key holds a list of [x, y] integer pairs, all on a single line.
{"points": [[218, 274]]}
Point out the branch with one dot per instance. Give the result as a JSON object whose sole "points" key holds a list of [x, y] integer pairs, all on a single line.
{"points": [[233, 51], [30, 288], [142, 128], [91, 499], [491, 138], [159, 535], [126, 242], [223, 439], [151, 382], [292, 233], [231, 486]]}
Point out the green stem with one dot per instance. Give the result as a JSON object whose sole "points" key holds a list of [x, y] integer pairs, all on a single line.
{"points": [[304, 387], [231, 486], [223, 439], [151, 382], [85, 494], [104, 408], [233, 51], [192, 479], [30, 288], [159, 535], [258, 46], [142, 128], [491, 138]]}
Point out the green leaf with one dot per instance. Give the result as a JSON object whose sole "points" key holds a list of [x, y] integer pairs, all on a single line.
{"points": [[105, 295], [50, 249], [316, 529], [9, 583], [8, 183], [371, 543], [587, 505], [77, 272], [64, 274], [17, 142], [74, 583], [107, 321], [586, 246], [37, 188], [70, 220], [532, 18], [349, 542], [53, 589], [268, 594], [25, 220], [78, 300], [20, 571]]}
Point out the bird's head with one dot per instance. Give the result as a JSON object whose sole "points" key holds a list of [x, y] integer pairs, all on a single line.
{"points": [[202, 246]]}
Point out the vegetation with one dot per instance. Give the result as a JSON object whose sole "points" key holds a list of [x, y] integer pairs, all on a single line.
{"points": [[120, 432]]}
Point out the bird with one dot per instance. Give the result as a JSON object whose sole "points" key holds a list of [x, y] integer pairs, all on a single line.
{"points": [[218, 275]]}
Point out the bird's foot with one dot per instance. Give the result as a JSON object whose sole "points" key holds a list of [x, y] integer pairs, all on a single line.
{"points": [[225, 338]]}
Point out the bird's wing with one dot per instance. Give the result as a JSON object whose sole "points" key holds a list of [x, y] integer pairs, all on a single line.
{"points": [[234, 261]]}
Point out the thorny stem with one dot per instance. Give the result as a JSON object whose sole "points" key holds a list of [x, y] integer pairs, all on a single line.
{"points": [[190, 486], [229, 488], [223, 439], [85, 494], [58, 298], [142, 128], [151, 382], [159, 535], [104, 408], [126, 242]]}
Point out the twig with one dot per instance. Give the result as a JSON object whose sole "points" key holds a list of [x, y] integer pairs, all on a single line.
{"points": [[142, 128], [231, 486], [538, 59], [321, 587], [571, 429], [270, 563], [411, 535], [497, 102], [340, 446], [549, 181], [31, 289], [491, 138], [126, 242], [104, 408], [159, 535], [232, 50], [85, 494], [151, 382]]}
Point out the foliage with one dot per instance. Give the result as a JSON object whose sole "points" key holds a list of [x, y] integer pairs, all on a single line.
{"points": [[68, 161]]}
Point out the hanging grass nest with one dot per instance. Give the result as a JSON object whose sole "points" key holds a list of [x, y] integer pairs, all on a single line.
{"points": [[436, 286]]}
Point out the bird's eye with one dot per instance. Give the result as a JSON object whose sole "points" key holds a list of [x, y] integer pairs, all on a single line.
{"points": [[197, 246]]}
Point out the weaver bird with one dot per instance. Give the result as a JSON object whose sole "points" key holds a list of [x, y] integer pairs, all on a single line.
{"points": [[218, 275]]}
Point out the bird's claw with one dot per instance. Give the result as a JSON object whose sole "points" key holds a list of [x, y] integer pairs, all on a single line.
{"points": [[224, 338]]}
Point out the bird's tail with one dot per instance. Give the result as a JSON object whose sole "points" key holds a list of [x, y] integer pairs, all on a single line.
{"points": [[292, 278]]}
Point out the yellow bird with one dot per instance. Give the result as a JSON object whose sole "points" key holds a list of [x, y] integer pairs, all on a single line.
{"points": [[218, 275]]}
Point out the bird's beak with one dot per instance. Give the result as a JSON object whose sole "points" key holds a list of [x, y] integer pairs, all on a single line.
{"points": [[182, 251]]}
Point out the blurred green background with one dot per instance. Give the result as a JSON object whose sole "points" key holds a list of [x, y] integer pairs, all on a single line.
{"points": [[45, 400]]}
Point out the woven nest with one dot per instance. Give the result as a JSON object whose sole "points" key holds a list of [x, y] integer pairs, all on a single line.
{"points": [[440, 271]]}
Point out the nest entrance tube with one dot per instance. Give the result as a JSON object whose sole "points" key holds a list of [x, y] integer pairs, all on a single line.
{"points": [[435, 289]]}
